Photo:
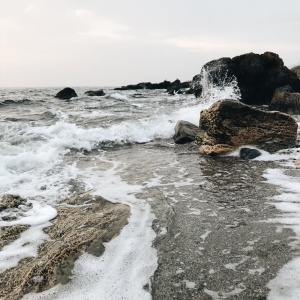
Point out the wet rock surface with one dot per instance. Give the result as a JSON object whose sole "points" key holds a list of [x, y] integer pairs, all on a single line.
{"points": [[214, 238], [82, 224], [185, 132], [228, 124], [286, 100]]}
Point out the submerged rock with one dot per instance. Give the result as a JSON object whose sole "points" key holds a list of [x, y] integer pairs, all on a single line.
{"points": [[82, 224], [66, 94], [229, 124], [185, 132], [257, 75], [286, 100], [95, 93]]}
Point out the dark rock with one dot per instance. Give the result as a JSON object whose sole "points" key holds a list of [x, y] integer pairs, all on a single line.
{"points": [[257, 75], [174, 87], [286, 100], [229, 124], [95, 93], [185, 132], [66, 94], [171, 87], [248, 153], [196, 86]]}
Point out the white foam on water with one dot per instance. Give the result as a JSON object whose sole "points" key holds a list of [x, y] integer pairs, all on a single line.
{"points": [[118, 96], [129, 259], [286, 284]]}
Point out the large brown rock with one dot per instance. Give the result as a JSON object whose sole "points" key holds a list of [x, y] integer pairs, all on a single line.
{"points": [[229, 124], [286, 100]]}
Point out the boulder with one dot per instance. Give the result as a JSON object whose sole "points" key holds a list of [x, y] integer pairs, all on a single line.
{"points": [[66, 94], [257, 75], [286, 100], [95, 93], [185, 132], [249, 153], [229, 124]]}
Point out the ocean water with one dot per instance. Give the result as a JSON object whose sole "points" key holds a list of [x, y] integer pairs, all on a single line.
{"points": [[44, 146]]}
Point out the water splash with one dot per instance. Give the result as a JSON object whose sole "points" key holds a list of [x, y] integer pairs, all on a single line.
{"points": [[217, 83]]}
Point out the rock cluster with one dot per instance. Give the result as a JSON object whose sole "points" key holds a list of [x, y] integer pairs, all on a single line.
{"points": [[82, 224], [229, 124], [257, 75], [170, 87]]}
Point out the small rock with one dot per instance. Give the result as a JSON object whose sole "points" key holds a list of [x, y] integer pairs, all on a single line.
{"points": [[95, 93], [185, 132], [248, 153]]}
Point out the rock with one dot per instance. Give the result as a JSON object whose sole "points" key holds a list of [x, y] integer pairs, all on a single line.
{"points": [[82, 224], [248, 153], [229, 124], [297, 162], [66, 94], [286, 100], [257, 75], [10, 201], [95, 93], [296, 69], [171, 87], [185, 132], [196, 86]]}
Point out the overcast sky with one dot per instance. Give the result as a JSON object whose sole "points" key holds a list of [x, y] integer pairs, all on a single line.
{"points": [[118, 42]]}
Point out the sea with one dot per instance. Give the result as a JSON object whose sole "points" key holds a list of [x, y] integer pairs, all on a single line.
{"points": [[52, 149]]}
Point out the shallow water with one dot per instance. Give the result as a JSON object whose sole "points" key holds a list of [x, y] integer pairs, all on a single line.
{"points": [[117, 146]]}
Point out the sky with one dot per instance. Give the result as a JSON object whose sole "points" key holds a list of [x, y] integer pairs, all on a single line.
{"points": [[115, 42]]}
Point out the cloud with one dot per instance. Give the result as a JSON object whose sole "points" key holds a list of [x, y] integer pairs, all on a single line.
{"points": [[106, 28], [82, 13], [198, 43], [31, 7]]}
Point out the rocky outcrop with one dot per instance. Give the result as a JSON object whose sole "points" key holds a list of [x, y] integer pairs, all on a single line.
{"points": [[185, 132], [171, 87], [66, 94], [95, 93], [82, 224], [257, 75], [286, 100], [229, 124]]}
